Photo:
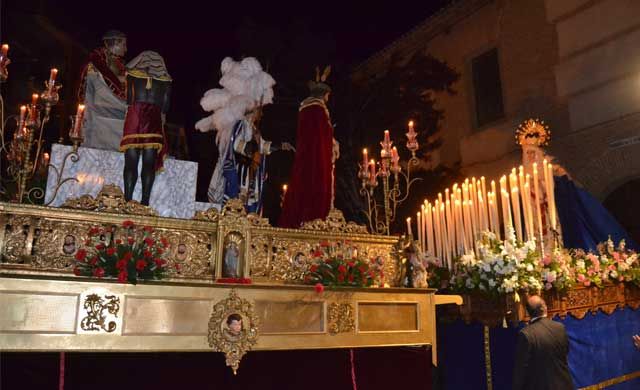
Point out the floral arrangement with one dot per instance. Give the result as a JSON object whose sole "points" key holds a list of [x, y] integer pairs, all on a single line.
{"points": [[608, 264], [338, 264], [137, 255], [498, 267]]}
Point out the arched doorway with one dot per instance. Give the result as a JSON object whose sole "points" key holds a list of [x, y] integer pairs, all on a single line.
{"points": [[623, 204]]}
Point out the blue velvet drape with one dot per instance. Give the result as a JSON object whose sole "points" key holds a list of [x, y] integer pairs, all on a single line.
{"points": [[600, 349], [584, 220]]}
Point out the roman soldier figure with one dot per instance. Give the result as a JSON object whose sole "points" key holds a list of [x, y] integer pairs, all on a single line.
{"points": [[310, 191]]}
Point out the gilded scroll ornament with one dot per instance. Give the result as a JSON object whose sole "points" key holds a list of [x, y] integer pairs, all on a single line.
{"points": [[341, 318], [96, 319], [233, 328], [110, 199], [210, 215], [335, 223]]}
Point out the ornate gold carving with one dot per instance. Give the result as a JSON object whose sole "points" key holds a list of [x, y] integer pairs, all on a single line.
{"points": [[210, 215], [341, 318], [96, 320], [260, 255], [191, 253], [256, 220], [335, 223], [57, 242], [223, 337], [109, 199], [16, 233]]}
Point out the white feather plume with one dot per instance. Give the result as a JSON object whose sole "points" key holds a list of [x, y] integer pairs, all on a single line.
{"points": [[215, 99]]}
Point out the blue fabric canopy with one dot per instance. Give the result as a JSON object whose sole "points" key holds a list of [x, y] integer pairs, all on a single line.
{"points": [[584, 220]]}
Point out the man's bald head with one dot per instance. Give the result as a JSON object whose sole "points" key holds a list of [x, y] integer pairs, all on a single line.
{"points": [[536, 307]]}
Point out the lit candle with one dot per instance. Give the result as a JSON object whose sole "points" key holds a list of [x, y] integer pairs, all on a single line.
{"points": [[429, 226], [421, 228], [515, 203], [77, 128], [45, 157], [527, 190], [490, 214], [450, 226], [409, 232], [506, 210], [284, 188], [52, 79], [395, 159], [34, 99], [386, 145], [5, 50], [365, 157], [457, 210], [536, 200], [552, 198], [23, 116], [445, 239], [467, 224], [418, 227], [372, 169], [436, 226]]}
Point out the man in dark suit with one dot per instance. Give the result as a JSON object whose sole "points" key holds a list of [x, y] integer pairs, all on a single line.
{"points": [[541, 352]]}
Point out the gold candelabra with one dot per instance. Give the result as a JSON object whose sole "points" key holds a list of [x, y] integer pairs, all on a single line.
{"points": [[382, 213]]}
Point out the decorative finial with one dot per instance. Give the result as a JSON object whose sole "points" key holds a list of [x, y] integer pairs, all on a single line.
{"points": [[533, 132]]}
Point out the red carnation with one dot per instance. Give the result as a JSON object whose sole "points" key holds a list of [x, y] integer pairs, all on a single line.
{"points": [[319, 287], [127, 256], [342, 269], [118, 241], [94, 260], [111, 251], [81, 254], [122, 276], [100, 247], [314, 268], [159, 251], [340, 278], [148, 254], [362, 268], [148, 241], [98, 272], [130, 240], [76, 271], [140, 265], [121, 264], [350, 278], [127, 224], [351, 264], [93, 231], [317, 253], [159, 262], [164, 242]]}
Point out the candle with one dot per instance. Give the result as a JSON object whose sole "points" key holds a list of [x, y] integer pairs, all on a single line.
{"points": [[457, 211], [23, 117], [506, 211], [52, 79], [395, 159], [77, 128], [551, 196], [429, 226], [450, 227], [445, 239], [467, 224], [34, 99], [284, 188], [365, 157], [45, 156], [410, 126], [5, 50], [523, 196], [436, 228], [409, 233], [536, 200], [386, 145], [527, 190], [421, 229], [372, 172], [515, 202], [490, 214], [418, 224]]}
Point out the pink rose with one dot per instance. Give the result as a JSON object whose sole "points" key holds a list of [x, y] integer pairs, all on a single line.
{"points": [[546, 260], [587, 283], [581, 278]]}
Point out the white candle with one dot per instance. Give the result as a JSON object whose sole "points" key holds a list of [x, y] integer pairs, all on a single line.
{"points": [[552, 198], [450, 228], [409, 232], [418, 225], [436, 226], [537, 198], [515, 203], [430, 243]]}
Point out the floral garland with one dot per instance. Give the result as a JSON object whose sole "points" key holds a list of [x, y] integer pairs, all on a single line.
{"points": [[500, 267], [338, 264], [137, 255]]}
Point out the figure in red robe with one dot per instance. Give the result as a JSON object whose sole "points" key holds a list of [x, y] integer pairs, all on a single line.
{"points": [[310, 191]]}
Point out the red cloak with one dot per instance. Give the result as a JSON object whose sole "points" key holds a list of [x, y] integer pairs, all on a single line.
{"points": [[310, 187]]}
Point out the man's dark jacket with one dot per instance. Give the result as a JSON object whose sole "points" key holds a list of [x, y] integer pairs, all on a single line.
{"points": [[541, 357]]}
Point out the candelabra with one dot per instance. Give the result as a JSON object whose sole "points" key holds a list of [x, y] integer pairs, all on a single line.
{"points": [[24, 151], [382, 214]]}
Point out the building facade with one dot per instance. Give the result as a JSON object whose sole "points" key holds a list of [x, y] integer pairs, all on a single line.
{"points": [[572, 63]]}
